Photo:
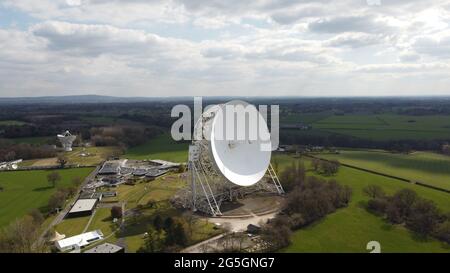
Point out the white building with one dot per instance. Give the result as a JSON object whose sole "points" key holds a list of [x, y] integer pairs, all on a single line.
{"points": [[79, 241]]}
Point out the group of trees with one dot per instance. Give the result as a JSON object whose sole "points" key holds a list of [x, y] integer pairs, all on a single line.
{"points": [[166, 235], [406, 207], [309, 199], [122, 135], [325, 167], [21, 236], [10, 151], [58, 199], [293, 137]]}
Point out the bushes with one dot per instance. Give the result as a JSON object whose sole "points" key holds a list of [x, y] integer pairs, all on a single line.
{"points": [[325, 167], [316, 198], [406, 207]]}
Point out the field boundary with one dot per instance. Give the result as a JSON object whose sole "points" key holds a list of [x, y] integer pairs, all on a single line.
{"points": [[384, 174]]}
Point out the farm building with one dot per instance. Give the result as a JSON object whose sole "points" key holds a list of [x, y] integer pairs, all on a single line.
{"points": [[82, 207], [79, 241], [106, 248]]}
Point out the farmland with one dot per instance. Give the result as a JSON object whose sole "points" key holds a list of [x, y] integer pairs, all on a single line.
{"points": [[378, 127], [425, 167], [350, 229], [27, 190]]}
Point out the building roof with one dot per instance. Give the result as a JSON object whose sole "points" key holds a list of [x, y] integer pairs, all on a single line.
{"points": [[105, 248], [110, 168], [83, 205], [155, 173], [80, 240]]}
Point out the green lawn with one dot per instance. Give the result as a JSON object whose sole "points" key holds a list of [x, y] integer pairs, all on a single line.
{"points": [[72, 226], [350, 229], [162, 147], [425, 167], [27, 190], [102, 220]]}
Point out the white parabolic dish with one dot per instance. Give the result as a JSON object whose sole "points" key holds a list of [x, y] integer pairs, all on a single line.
{"points": [[242, 162]]}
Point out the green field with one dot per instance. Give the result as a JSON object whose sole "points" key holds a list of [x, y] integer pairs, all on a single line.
{"points": [[425, 167], [27, 190], [376, 127], [93, 155], [12, 123], [162, 147], [350, 229]]}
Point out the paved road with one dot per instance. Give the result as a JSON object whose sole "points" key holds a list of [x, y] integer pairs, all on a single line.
{"points": [[63, 213], [197, 248]]}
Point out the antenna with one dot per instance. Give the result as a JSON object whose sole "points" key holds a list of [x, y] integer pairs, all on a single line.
{"points": [[222, 169], [66, 140]]}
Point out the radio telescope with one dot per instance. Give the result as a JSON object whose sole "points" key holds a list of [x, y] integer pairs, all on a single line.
{"points": [[66, 140], [223, 169]]}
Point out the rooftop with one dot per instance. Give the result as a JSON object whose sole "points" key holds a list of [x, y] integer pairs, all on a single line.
{"points": [[80, 240], [83, 205], [105, 248]]}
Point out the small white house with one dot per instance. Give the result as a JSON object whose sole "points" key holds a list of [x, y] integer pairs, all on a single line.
{"points": [[79, 241]]}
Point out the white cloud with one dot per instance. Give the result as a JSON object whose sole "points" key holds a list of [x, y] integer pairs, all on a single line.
{"points": [[214, 47]]}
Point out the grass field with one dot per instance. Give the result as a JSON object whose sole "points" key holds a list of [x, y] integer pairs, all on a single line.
{"points": [[27, 190], [12, 123], [94, 155], [376, 127], [425, 167], [72, 226], [162, 147], [350, 229]]}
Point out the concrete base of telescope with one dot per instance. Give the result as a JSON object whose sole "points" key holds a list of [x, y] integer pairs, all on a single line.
{"points": [[250, 206]]}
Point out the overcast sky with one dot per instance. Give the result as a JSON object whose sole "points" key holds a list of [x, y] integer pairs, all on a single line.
{"points": [[224, 47]]}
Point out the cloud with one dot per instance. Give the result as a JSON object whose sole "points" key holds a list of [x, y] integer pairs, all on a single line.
{"points": [[359, 23], [214, 47]]}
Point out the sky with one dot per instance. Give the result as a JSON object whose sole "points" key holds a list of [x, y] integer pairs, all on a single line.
{"points": [[220, 48]]}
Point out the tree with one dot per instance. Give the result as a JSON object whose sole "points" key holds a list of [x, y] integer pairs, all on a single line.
{"points": [[178, 235], [62, 160], [57, 200], [443, 231], [424, 217], [377, 206], [403, 201], [315, 164], [181, 168], [374, 191], [21, 236], [116, 212], [158, 222], [154, 242], [168, 223], [37, 216], [53, 178]]}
